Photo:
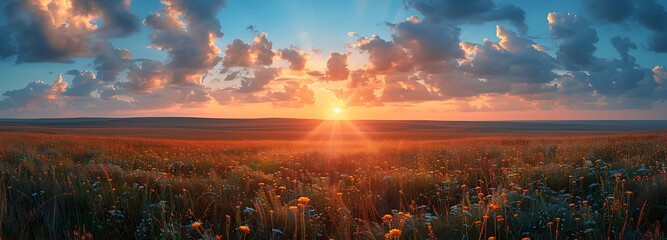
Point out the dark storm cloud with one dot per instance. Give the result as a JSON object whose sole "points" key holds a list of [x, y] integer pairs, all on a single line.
{"points": [[471, 11], [58, 31]]}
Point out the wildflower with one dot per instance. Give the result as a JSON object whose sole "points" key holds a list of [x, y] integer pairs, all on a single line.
{"points": [[293, 208], [486, 217], [303, 200], [494, 207], [628, 193], [526, 238], [282, 188], [492, 238], [395, 232], [387, 218], [196, 224], [244, 229], [516, 215]]}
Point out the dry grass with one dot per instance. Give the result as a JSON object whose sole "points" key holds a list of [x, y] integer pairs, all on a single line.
{"points": [[601, 187]]}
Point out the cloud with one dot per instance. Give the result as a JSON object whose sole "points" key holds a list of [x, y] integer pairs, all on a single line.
{"points": [[658, 42], [240, 54], [83, 84], [513, 59], [648, 13], [472, 11], [659, 74], [36, 93], [337, 67], [187, 30], [623, 46], [577, 40], [426, 41], [237, 54], [116, 15], [147, 76], [610, 10], [110, 61], [262, 77], [57, 31], [295, 57], [383, 55], [294, 94], [398, 88]]}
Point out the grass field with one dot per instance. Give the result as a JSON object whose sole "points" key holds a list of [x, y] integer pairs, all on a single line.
{"points": [[58, 186]]}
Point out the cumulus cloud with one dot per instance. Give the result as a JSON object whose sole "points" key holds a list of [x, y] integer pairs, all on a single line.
{"points": [[83, 84], [262, 77], [427, 41], [34, 94], [659, 74], [577, 40], [241, 54], [337, 67], [512, 59], [295, 57], [57, 31], [623, 46], [472, 11], [294, 94], [187, 30], [383, 55], [110, 61], [144, 77], [648, 13]]}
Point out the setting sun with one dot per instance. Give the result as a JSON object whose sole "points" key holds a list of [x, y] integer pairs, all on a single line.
{"points": [[336, 110]]}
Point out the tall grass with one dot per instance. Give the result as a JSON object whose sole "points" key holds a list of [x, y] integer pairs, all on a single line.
{"points": [[84, 187]]}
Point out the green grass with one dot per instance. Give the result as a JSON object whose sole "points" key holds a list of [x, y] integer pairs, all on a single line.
{"points": [[84, 187]]}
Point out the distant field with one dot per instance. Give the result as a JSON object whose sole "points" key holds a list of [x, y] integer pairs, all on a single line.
{"points": [[175, 178], [297, 129]]}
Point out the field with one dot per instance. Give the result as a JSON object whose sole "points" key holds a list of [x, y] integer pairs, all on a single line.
{"points": [[103, 185]]}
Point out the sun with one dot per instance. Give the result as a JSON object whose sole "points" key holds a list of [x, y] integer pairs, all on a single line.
{"points": [[336, 110]]}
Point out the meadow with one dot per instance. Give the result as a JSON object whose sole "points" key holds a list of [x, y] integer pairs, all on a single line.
{"points": [[59, 186]]}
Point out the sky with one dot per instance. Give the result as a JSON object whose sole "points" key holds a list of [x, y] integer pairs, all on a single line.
{"points": [[371, 59]]}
